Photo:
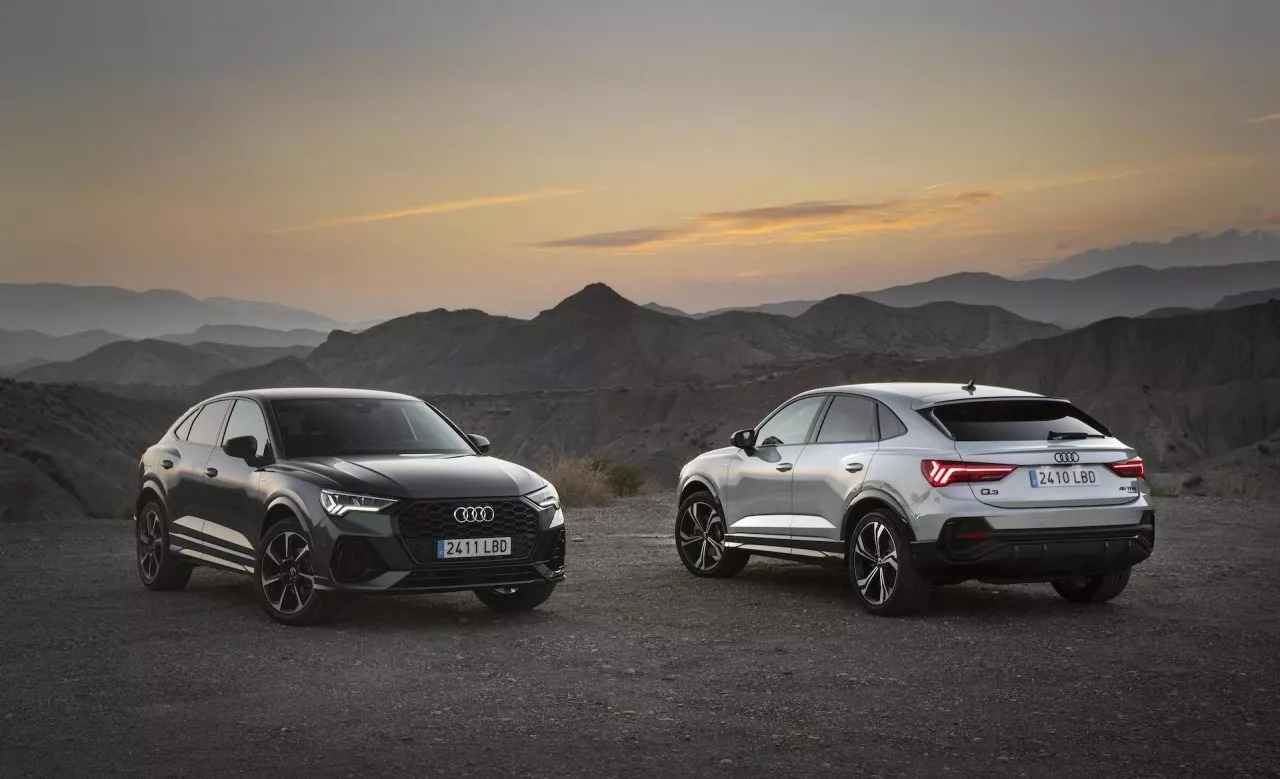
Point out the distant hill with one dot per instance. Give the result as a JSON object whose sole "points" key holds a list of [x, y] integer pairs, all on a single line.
{"points": [[1248, 298], [284, 372], [597, 338], [1130, 291], [72, 451], [1227, 248], [25, 346], [661, 309], [155, 362], [1161, 384], [246, 335], [64, 309]]}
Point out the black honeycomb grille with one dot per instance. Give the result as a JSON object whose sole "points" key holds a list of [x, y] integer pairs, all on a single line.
{"points": [[423, 523]]}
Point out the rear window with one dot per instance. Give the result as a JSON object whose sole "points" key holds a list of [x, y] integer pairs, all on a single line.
{"points": [[1017, 420]]}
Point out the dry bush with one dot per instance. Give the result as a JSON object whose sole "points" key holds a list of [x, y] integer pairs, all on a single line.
{"points": [[581, 481]]}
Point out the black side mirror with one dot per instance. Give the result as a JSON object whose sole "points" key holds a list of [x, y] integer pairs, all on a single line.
{"points": [[744, 439], [243, 447], [480, 442]]}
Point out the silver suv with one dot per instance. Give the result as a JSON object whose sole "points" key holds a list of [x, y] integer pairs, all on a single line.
{"points": [[911, 485]]}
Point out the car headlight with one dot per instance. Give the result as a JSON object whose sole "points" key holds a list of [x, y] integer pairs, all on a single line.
{"points": [[339, 503], [546, 497]]}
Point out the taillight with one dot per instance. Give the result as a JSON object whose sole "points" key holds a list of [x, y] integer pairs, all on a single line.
{"points": [[940, 473], [1129, 469]]}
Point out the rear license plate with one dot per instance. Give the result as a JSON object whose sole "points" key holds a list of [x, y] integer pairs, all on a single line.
{"points": [[1064, 477], [472, 547]]}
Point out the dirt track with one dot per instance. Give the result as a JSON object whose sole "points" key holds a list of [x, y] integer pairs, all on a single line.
{"points": [[635, 668]]}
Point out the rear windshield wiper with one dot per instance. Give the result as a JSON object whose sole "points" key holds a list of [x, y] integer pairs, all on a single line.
{"points": [[1054, 435]]}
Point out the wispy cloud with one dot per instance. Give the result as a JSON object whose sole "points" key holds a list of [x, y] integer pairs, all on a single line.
{"points": [[431, 208], [1265, 118], [811, 221]]}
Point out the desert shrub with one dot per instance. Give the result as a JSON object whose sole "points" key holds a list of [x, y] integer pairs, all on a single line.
{"points": [[580, 481], [1264, 447], [625, 480]]}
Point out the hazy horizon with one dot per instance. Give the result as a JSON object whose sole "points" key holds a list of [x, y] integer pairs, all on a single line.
{"points": [[370, 160]]}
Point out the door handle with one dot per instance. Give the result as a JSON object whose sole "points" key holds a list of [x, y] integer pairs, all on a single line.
{"points": [[853, 467], [211, 472], [784, 467], [166, 464]]}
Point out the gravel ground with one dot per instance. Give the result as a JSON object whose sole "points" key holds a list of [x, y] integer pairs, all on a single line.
{"points": [[635, 668]]}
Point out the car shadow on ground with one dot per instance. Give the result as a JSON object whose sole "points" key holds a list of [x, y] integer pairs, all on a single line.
{"points": [[375, 612], [972, 599]]}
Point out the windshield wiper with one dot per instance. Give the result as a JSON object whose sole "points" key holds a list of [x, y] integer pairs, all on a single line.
{"points": [[1055, 435]]}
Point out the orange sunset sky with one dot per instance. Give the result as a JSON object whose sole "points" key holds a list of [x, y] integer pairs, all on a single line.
{"points": [[367, 159]]}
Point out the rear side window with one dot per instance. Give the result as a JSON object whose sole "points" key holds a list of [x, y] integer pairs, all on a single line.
{"points": [[890, 425], [184, 427], [1017, 420], [209, 423], [849, 420]]}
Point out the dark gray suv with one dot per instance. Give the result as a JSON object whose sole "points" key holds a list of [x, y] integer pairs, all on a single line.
{"points": [[316, 492]]}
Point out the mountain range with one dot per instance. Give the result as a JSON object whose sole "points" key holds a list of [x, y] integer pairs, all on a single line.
{"points": [[64, 309], [1230, 247]]}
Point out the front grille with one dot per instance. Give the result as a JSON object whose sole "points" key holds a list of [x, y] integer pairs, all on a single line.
{"points": [[424, 522]]}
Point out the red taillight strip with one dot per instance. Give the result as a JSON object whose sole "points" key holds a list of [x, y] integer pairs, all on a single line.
{"points": [[1129, 469], [940, 473]]}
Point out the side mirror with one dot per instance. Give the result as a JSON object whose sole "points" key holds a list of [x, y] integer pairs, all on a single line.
{"points": [[744, 439], [243, 447], [480, 442]]}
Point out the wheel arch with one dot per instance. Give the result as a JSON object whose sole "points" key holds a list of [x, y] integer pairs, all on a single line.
{"points": [[151, 490], [696, 484], [279, 508], [870, 500]]}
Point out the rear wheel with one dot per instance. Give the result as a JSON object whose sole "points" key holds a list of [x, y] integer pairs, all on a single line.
{"points": [[885, 579], [158, 567], [519, 598], [286, 576], [1093, 589], [700, 531]]}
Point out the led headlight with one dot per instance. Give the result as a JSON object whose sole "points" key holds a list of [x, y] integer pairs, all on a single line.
{"points": [[339, 503], [546, 497]]}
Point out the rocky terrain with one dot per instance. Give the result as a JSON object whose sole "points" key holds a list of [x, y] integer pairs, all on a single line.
{"points": [[634, 668], [156, 362]]}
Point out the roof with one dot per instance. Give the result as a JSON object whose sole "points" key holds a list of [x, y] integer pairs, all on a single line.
{"points": [[920, 394], [304, 393]]}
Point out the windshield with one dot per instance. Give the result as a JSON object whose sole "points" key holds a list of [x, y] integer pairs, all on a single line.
{"points": [[1017, 420], [319, 427]]}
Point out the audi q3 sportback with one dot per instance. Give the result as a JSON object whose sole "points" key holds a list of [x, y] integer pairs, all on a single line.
{"points": [[317, 492], [911, 485]]}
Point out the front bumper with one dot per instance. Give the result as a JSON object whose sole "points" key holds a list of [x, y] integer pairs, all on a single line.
{"points": [[969, 548]]}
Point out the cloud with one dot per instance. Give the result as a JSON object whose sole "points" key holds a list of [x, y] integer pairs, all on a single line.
{"points": [[811, 221], [1265, 118], [431, 208]]}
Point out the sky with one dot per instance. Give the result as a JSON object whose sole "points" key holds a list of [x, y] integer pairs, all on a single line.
{"points": [[369, 159]]}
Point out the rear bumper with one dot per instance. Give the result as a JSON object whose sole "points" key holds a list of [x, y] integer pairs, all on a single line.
{"points": [[969, 548]]}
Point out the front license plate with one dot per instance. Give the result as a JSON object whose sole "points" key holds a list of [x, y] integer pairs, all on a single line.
{"points": [[1064, 477], [472, 547]]}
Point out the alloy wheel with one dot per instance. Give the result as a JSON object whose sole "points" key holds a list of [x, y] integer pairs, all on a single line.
{"points": [[150, 545], [875, 563], [287, 577], [701, 535]]}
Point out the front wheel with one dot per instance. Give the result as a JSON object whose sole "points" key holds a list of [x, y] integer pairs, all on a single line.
{"points": [[520, 598], [286, 577], [158, 566], [700, 531], [885, 578], [1093, 589]]}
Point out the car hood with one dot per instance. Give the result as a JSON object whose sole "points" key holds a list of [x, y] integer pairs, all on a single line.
{"points": [[424, 476]]}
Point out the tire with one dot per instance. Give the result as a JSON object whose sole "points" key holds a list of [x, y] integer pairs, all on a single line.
{"points": [[158, 566], [520, 598], [699, 533], [885, 579], [285, 577], [1094, 589]]}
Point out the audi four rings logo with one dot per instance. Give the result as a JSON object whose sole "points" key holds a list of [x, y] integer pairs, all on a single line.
{"points": [[1067, 457], [473, 514]]}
